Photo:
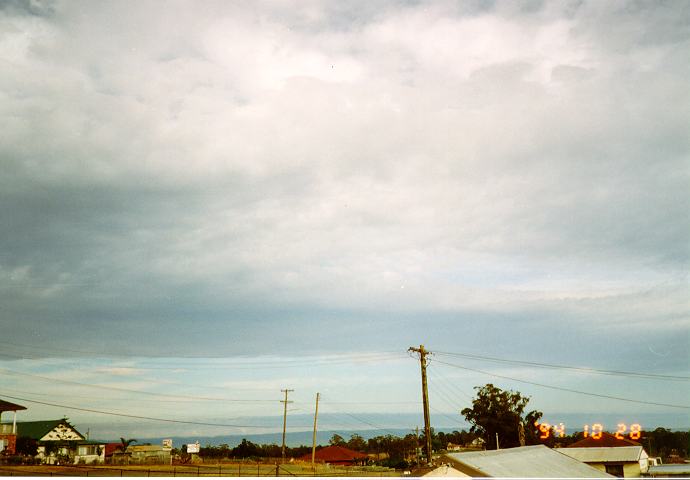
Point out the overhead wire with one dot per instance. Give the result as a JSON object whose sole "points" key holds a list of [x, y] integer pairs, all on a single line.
{"points": [[239, 362], [598, 371], [139, 417], [564, 389], [140, 392]]}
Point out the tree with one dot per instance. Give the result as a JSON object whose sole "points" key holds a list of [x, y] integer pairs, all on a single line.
{"points": [[497, 411], [356, 443], [337, 440], [245, 449], [26, 446], [125, 443]]}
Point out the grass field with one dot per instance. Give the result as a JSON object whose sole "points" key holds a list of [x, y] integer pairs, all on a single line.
{"points": [[206, 470]]}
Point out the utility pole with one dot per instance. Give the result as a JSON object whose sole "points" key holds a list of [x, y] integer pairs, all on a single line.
{"points": [[285, 404], [313, 443], [425, 400]]}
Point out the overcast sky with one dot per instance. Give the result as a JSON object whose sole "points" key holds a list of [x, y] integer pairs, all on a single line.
{"points": [[257, 179]]}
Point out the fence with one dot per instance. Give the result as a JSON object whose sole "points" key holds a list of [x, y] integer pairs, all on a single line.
{"points": [[238, 470]]}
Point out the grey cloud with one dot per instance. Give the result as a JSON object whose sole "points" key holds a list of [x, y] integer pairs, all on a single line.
{"points": [[208, 179]]}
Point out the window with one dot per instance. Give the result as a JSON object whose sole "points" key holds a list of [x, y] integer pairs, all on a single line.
{"points": [[87, 450], [616, 470]]}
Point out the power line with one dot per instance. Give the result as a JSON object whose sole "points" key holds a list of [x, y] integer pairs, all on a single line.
{"points": [[141, 392], [600, 395], [268, 363], [450, 385], [440, 412], [139, 417], [568, 367]]}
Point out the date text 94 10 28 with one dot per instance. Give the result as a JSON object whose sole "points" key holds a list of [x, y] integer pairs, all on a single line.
{"points": [[595, 431]]}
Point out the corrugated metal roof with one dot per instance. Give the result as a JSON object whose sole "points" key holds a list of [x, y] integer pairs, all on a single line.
{"points": [[146, 448], [537, 461], [605, 454], [670, 469]]}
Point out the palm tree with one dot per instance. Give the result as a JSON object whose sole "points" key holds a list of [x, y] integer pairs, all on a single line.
{"points": [[125, 443]]}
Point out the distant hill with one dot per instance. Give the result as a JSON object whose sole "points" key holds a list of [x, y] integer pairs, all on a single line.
{"points": [[293, 439]]}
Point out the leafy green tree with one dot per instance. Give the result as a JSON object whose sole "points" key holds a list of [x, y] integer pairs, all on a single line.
{"points": [[337, 440], [501, 412], [245, 449], [356, 443]]}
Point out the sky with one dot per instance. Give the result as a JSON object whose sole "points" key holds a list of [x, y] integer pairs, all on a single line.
{"points": [[253, 196]]}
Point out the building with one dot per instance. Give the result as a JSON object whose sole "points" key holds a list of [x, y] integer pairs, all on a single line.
{"points": [[335, 455], [59, 442], [536, 461], [605, 439], [629, 461], [445, 471], [149, 455], [669, 471], [8, 431]]}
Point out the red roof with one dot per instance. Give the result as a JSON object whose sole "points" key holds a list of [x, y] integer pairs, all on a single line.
{"points": [[335, 454], [6, 406], [111, 448], [606, 440]]}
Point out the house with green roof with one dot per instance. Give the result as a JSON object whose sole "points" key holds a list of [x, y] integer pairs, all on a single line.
{"points": [[60, 442]]}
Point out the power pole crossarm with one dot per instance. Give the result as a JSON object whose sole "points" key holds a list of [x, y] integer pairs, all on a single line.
{"points": [[425, 400]]}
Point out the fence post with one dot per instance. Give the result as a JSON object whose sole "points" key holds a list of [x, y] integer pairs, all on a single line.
{"points": [[120, 472], [148, 472], [277, 471], [220, 474], [258, 469]]}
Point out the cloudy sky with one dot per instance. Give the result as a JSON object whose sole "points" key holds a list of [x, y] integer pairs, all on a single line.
{"points": [[310, 188]]}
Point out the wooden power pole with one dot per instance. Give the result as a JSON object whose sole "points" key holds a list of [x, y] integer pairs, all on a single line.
{"points": [[425, 400], [313, 442], [285, 402]]}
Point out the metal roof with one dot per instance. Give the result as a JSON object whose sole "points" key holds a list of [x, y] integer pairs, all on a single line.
{"points": [[605, 454], [670, 469], [147, 448], [537, 461]]}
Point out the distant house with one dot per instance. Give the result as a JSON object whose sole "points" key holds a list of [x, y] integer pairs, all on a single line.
{"points": [[452, 447], [630, 461], [605, 440], [149, 454], [536, 461], [8, 431], [445, 470], [335, 455], [58, 441]]}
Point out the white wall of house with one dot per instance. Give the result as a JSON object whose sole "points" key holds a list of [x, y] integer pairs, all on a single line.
{"points": [[90, 454]]}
